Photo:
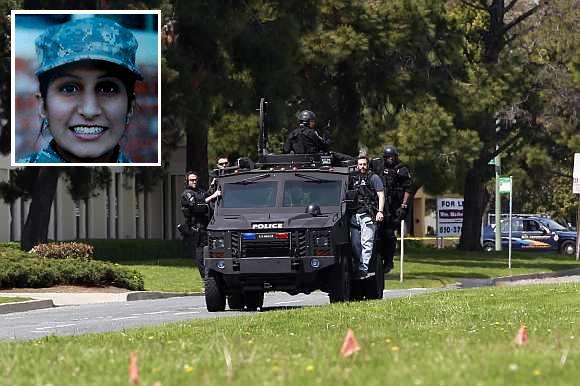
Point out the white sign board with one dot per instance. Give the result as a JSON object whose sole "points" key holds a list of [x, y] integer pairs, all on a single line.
{"points": [[505, 184], [576, 174], [449, 216]]}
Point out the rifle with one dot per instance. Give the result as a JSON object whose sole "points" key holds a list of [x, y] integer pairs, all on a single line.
{"points": [[263, 142]]}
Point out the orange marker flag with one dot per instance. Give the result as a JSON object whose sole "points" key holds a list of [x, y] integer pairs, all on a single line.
{"points": [[158, 384], [350, 345], [522, 336], [133, 369]]}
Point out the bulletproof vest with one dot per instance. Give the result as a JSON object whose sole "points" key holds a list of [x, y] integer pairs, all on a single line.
{"points": [[303, 141], [193, 205], [396, 179], [367, 200]]}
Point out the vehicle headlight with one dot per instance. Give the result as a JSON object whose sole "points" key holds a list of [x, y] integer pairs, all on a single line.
{"points": [[322, 242], [217, 243]]}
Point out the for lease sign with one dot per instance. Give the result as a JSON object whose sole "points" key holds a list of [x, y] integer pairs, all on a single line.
{"points": [[576, 174], [449, 216]]}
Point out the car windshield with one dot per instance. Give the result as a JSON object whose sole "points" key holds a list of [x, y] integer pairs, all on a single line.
{"points": [[552, 225], [250, 195], [305, 192]]}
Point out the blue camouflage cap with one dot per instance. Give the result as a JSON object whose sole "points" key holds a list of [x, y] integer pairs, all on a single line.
{"points": [[87, 39]]}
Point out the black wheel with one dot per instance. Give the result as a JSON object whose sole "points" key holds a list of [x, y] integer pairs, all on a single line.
{"points": [[236, 301], [568, 248], [375, 285], [253, 300], [340, 281], [488, 246], [215, 298]]}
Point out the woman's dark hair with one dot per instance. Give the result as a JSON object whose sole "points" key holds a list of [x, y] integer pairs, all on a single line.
{"points": [[125, 76]]}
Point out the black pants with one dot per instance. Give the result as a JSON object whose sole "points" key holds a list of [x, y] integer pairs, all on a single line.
{"points": [[387, 247], [191, 248]]}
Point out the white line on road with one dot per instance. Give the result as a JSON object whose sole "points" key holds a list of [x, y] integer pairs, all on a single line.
{"points": [[155, 313], [59, 326], [125, 317], [186, 313]]}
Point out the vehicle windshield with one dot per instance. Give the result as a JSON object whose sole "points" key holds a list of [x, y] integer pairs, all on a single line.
{"points": [[552, 225], [304, 192], [253, 195]]}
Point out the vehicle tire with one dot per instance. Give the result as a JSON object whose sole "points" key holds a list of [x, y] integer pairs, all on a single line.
{"points": [[375, 285], [488, 246], [236, 301], [215, 298], [568, 248], [340, 284], [253, 300]]}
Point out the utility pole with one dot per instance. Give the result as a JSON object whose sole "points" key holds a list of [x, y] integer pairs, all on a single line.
{"points": [[497, 164]]}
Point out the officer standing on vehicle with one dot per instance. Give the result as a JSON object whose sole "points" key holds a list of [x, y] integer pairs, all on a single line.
{"points": [[305, 139], [222, 162], [397, 181], [370, 200], [194, 205]]}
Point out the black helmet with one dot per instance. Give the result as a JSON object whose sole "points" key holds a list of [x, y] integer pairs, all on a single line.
{"points": [[305, 116], [390, 155]]}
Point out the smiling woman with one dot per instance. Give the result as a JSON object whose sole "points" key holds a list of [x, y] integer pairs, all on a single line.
{"points": [[86, 91]]}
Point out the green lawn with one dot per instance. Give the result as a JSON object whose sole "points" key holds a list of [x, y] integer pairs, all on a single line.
{"points": [[428, 267], [178, 275], [446, 338], [12, 300], [423, 267]]}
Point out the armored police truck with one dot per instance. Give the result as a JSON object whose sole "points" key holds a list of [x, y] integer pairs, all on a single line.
{"points": [[283, 225]]}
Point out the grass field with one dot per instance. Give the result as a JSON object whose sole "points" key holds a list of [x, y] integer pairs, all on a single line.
{"points": [[11, 300], [423, 267], [445, 338]]}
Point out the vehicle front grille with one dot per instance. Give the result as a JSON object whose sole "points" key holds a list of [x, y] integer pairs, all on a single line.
{"points": [[301, 248], [265, 247], [235, 240]]}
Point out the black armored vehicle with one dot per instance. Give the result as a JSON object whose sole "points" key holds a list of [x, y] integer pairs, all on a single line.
{"points": [[283, 225]]}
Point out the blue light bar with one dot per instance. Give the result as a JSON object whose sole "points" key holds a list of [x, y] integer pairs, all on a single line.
{"points": [[248, 236]]}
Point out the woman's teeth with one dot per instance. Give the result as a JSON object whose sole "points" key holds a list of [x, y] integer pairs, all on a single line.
{"points": [[93, 130]]}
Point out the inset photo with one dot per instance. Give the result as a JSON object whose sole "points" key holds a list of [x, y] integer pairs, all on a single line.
{"points": [[86, 88]]}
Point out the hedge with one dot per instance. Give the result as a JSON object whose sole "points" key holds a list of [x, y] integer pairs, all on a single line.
{"points": [[123, 250], [33, 272]]}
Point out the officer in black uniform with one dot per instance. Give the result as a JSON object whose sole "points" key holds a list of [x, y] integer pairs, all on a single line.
{"points": [[397, 181], [305, 139], [370, 201], [195, 208]]}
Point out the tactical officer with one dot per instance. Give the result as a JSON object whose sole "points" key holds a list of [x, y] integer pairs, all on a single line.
{"points": [[194, 205], [222, 162], [370, 200], [397, 181], [305, 139]]}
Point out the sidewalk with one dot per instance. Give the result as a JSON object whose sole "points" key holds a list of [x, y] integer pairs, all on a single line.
{"points": [[72, 296]]}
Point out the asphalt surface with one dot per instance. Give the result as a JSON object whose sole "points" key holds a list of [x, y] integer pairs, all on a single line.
{"points": [[106, 317]]}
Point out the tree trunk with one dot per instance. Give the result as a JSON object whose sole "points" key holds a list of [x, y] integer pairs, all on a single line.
{"points": [[196, 151], [475, 201], [349, 106], [36, 227]]}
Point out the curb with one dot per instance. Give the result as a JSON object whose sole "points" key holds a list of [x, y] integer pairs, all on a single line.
{"points": [[29, 305], [151, 295], [530, 276]]}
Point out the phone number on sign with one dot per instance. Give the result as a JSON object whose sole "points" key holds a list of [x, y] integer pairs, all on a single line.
{"points": [[449, 229]]}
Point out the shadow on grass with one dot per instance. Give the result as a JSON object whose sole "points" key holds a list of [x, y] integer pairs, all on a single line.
{"points": [[179, 262]]}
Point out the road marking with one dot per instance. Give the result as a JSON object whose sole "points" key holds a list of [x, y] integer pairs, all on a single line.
{"points": [[60, 326], [155, 313], [125, 317], [186, 313]]}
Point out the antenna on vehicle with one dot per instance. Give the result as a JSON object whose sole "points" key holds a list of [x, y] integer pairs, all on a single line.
{"points": [[263, 142]]}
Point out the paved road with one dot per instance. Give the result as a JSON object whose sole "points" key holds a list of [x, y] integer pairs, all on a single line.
{"points": [[105, 317]]}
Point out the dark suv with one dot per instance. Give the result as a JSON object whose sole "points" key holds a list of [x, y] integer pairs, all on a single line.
{"points": [[533, 233], [283, 225]]}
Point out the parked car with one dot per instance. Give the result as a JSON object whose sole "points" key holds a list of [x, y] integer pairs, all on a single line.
{"points": [[532, 234]]}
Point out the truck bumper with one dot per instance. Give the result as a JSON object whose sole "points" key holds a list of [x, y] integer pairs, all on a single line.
{"points": [[268, 265]]}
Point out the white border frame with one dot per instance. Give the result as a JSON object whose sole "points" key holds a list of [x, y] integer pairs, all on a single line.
{"points": [[13, 14]]}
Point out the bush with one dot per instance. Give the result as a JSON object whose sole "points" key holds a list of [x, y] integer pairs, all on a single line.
{"points": [[39, 272], [123, 250], [77, 251]]}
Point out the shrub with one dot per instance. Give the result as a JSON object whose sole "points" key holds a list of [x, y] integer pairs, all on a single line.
{"points": [[77, 251], [39, 272]]}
